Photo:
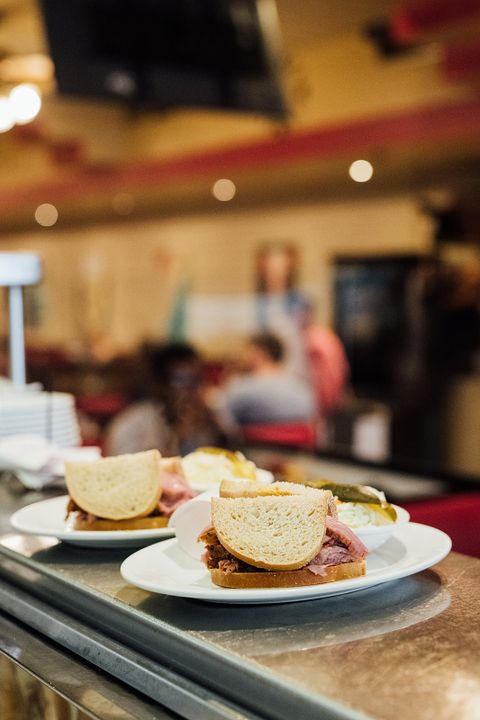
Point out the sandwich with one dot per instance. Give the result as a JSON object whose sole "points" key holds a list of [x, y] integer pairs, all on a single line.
{"points": [[280, 536], [128, 492]]}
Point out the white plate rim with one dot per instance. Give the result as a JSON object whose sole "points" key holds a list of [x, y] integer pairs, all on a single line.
{"points": [[17, 520], [311, 592]]}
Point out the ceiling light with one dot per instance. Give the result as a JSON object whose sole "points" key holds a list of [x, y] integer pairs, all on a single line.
{"points": [[7, 119], [224, 190], [26, 103], [46, 215], [361, 171]]}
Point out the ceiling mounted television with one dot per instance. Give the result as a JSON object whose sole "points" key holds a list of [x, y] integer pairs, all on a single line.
{"points": [[168, 53]]}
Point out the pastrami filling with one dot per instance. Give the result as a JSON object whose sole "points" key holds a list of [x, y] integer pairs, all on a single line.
{"points": [[340, 545]]}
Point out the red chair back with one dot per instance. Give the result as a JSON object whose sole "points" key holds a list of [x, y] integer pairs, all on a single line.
{"points": [[301, 434], [102, 406]]}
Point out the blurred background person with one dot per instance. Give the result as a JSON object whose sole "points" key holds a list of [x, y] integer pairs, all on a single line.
{"points": [[267, 392], [279, 300], [172, 416]]}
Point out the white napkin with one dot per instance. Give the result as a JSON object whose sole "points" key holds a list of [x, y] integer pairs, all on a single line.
{"points": [[36, 462]]}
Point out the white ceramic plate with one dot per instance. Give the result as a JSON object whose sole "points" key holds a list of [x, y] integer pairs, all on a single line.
{"points": [[55, 418], [165, 568], [48, 518], [61, 423], [28, 409]]}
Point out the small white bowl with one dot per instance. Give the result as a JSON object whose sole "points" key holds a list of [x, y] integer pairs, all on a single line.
{"points": [[375, 535]]}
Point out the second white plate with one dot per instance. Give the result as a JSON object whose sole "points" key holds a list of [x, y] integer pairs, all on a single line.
{"points": [[166, 569], [48, 518]]}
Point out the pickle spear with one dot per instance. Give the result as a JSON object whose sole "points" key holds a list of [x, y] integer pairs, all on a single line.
{"points": [[386, 510], [357, 494], [347, 493]]}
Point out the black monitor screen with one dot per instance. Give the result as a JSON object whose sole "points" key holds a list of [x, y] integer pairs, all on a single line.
{"points": [[164, 53]]}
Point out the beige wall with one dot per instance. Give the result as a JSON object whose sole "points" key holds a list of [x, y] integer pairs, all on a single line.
{"points": [[463, 426], [118, 281]]}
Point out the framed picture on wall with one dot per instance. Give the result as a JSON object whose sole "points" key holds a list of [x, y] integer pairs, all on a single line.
{"points": [[277, 266]]}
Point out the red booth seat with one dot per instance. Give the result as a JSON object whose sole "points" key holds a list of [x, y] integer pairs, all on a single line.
{"points": [[301, 434], [457, 515], [103, 405]]}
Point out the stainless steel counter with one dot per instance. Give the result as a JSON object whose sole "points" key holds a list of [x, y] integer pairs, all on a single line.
{"points": [[14, 496], [407, 647], [38, 680]]}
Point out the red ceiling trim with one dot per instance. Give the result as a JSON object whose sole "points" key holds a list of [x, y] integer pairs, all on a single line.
{"points": [[429, 125], [415, 20], [461, 62]]}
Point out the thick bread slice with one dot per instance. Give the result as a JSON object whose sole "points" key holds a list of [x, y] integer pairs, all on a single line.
{"points": [[294, 578], [137, 523], [273, 533], [252, 488], [116, 488]]}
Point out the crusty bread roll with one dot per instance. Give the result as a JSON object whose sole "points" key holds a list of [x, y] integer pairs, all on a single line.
{"points": [[272, 533], [294, 578], [252, 488], [138, 523], [116, 488]]}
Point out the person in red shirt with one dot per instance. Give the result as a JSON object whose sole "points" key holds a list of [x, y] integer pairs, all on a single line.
{"points": [[328, 367]]}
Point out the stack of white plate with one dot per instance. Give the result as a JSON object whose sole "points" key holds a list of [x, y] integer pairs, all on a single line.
{"points": [[49, 415]]}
